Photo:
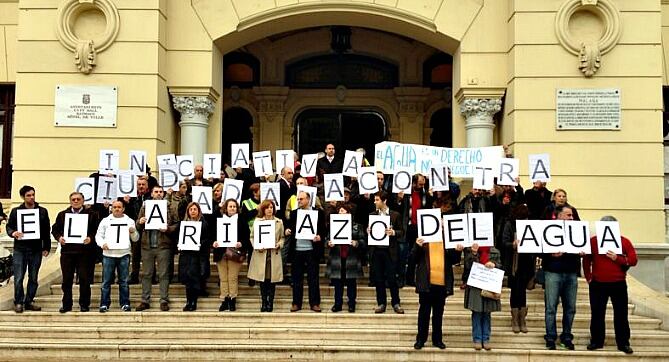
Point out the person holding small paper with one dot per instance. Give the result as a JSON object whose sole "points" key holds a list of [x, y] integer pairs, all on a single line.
{"points": [[29, 226], [306, 252], [481, 306], [229, 259], [606, 275], [265, 266], [344, 266], [383, 260], [76, 255], [156, 248], [190, 260], [109, 232]]}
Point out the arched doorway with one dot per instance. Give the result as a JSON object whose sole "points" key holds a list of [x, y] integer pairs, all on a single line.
{"points": [[347, 129], [441, 123], [237, 123]]}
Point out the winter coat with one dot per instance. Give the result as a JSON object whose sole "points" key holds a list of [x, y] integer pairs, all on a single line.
{"points": [[473, 299], [259, 258], [420, 255], [353, 263]]}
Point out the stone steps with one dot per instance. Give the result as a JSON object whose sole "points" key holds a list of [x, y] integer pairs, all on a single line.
{"points": [[282, 316], [256, 352], [406, 292]]}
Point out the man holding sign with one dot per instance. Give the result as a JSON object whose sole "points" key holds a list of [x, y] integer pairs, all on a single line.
{"points": [[156, 223], [74, 230], [385, 257], [114, 236], [606, 275], [561, 273], [307, 228], [29, 226]]}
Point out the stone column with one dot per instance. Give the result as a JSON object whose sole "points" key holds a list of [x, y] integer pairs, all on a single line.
{"points": [[411, 113], [195, 112], [479, 124]]}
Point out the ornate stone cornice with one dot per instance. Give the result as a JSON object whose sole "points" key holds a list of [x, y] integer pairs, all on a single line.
{"points": [[194, 105]]}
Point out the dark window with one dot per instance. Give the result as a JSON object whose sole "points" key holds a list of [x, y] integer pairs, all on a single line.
{"points": [[346, 129], [6, 125], [438, 71], [441, 123], [241, 70], [350, 70], [665, 136], [237, 123]]}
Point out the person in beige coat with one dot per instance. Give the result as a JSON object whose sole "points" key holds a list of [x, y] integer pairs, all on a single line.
{"points": [[266, 265]]}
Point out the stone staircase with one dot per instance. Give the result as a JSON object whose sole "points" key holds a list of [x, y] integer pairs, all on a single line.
{"points": [[248, 334]]}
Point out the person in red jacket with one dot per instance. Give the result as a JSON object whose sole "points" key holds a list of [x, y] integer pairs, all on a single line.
{"points": [[606, 274]]}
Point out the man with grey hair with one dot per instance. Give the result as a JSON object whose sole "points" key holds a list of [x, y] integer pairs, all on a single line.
{"points": [[606, 274]]}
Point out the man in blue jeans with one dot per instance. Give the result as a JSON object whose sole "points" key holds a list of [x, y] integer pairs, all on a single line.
{"points": [[28, 249], [115, 259], [561, 272]]}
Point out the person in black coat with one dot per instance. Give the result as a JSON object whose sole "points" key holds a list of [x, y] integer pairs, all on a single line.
{"points": [[434, 281], [329, 163], [74, 256], [344, 266], [28, 252], [189, 260]]}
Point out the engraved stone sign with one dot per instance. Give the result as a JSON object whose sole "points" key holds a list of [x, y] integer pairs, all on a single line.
{"points": [[85, 106], [588, 109]]}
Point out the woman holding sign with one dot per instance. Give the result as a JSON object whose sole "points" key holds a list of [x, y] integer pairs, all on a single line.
{"points": [[230, 253], [266, 266], [189, 260], [480, 302], [344, 266]]}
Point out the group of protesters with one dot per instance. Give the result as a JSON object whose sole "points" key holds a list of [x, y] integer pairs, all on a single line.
{"points": [[406, 260]]}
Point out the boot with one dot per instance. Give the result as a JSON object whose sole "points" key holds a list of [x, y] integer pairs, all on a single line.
{"points": [[224, 305], [263, 297], [187, 306], [522, 315], [193, 305], [515, 324], [270, 297], [233, 304]]}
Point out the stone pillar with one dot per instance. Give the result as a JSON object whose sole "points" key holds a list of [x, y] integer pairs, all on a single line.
{"points": [[195, 112], [274, 132], [411, 101], [479, 124]]}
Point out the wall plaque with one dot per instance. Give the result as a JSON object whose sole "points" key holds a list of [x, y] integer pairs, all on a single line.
{"points": [[85, 106], [588, 109]]}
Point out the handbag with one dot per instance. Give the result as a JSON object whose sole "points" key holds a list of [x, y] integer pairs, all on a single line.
{"points": [[540, 277], [234, 254], [490, 295]]}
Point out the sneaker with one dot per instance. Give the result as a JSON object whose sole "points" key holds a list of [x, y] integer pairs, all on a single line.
{"points": [[567, 345], [126, 308], [104, 309]]}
